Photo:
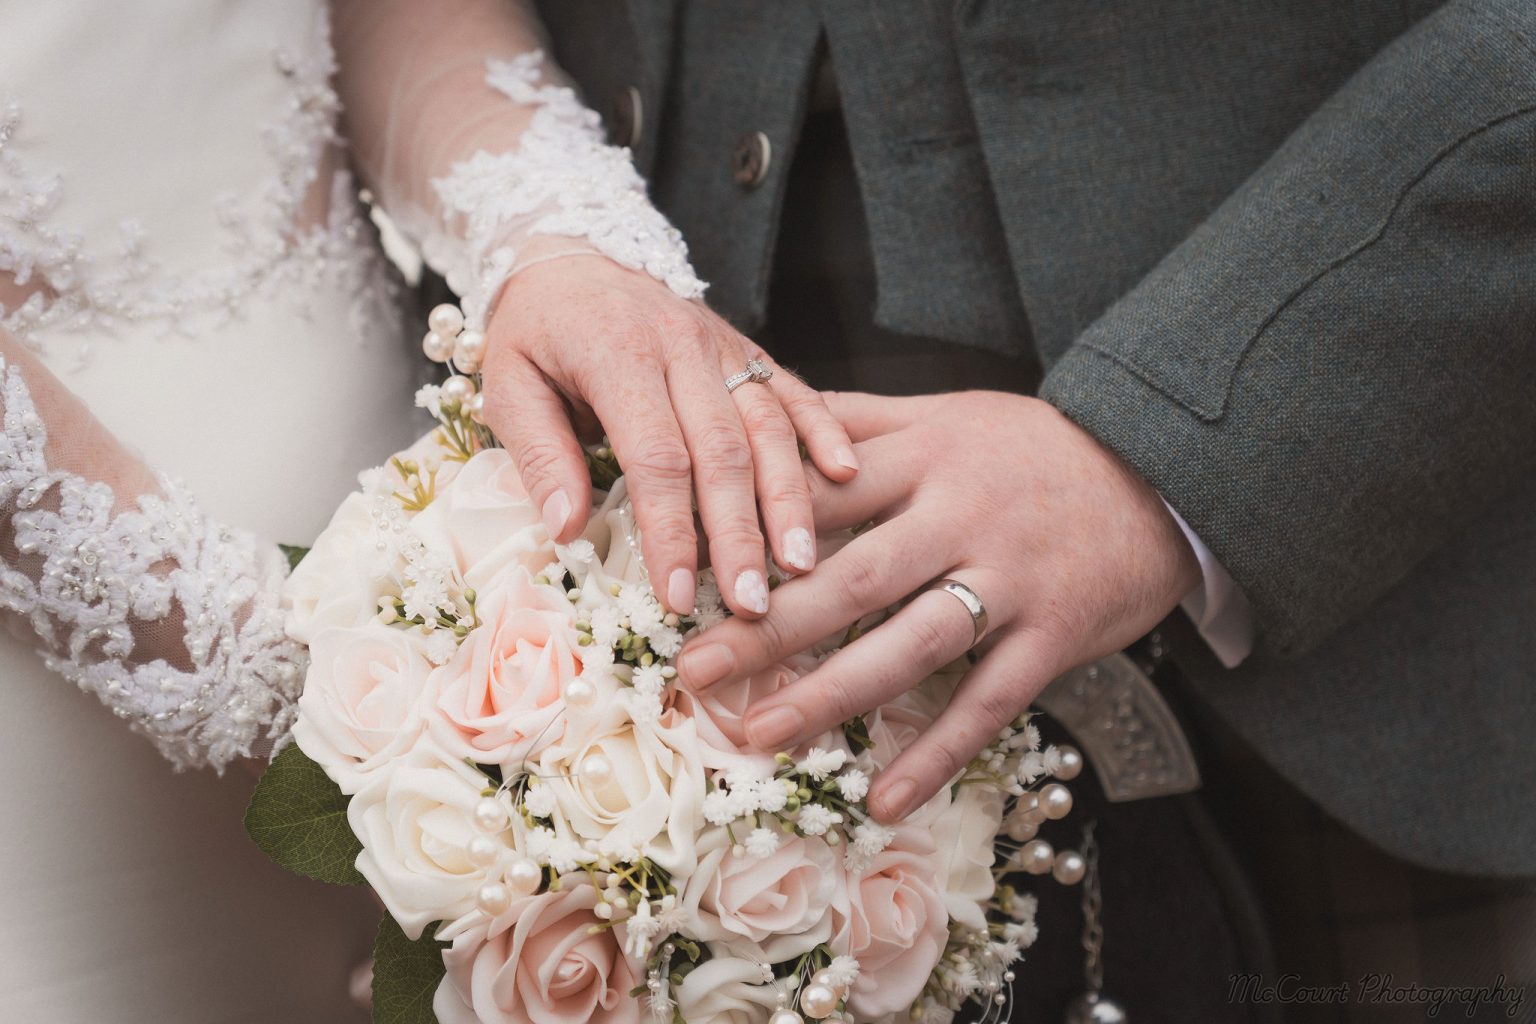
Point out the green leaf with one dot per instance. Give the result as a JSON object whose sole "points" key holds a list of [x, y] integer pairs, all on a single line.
{"points": [[298, 817], [405, 975], [294, 553]]}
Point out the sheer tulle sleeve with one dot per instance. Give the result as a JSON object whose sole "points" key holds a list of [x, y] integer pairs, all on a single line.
{"points": [[482, 153], [128, 589]]}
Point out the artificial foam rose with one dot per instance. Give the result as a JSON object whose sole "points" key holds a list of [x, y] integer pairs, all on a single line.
{"points": [[339, 582], [539, 963], [725, 991], [362, 700], [414, 821], [964, 835], [654, 789], [486, 519], [766, 909], [498, 699], [717, 713], [891, 918]]}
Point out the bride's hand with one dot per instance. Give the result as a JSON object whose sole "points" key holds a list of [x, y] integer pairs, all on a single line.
{"points": [[581, 341], [1073, 555]]}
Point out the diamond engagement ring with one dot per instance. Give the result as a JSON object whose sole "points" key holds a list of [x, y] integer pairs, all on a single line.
{"points": [[972, 603], [757, 372]]}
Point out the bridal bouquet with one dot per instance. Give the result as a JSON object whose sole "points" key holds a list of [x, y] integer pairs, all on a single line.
{"points": [[490, 737]]}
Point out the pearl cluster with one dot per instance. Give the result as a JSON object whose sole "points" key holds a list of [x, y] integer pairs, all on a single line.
{"points": [[450, 341], [818, 1000], [1051, 802], [518, 877]]}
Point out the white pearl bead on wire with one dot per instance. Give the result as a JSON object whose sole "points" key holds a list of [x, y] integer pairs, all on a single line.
{"points": [[1069, 868], [1071, 762], [1036, 856], [524, 877], [446, 319], [1055, 801], [469, 351], [596, 769], [490, 815], [493, 898], [482, 850], [818, 1000], [436, 347]]}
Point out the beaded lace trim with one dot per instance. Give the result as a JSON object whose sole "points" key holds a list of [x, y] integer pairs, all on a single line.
{"points": [[99, 285], [561, 180], [97, 588]]}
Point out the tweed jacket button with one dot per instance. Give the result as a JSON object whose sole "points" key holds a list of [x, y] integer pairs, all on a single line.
{"points": [[626, 118], [749, 161]]}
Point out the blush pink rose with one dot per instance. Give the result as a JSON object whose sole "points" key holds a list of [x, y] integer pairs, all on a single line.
{"points": [[717, 712], [539, 963], [498, 699], [891, 917], [896, 725], [768, 909]]}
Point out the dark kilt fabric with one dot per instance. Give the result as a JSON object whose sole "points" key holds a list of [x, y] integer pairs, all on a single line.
{"points": [[1244, 902]]}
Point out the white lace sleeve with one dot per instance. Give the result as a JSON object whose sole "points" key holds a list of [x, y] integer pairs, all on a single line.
{"points": [[129, 590], [483, 154]]}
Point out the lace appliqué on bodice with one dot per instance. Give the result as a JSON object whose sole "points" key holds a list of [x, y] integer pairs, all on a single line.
{"points": [[170, 618], [103, 284], [561, 180]]}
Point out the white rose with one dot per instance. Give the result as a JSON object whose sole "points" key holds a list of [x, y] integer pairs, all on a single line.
{"points": [[767, 909], [414, 821], [362, 701], [725, 990], [612, 532], [339, 582], [486, 519], [964, 835], [653, 787]]}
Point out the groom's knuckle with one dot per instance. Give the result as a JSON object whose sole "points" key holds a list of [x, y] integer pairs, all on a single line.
{"points": [[941, 761], [992, 709], [858, 577], [839, 698], [930, 643]]}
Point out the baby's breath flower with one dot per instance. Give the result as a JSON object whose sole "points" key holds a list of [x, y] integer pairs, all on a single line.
{"points": [[819, 764], [853, 784], [441, 646], [762, 842], [815, 820]]}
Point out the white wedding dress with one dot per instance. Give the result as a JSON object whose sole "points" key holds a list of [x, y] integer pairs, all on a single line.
{"points": [[187, 283], [155, 163]]}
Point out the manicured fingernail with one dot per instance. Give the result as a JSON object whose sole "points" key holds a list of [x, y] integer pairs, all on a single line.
{"points": [[556, 510], [896, 798], [770, 729], [846, 458], [752, 591], [799, 552], [705, 665], [680, 591]]}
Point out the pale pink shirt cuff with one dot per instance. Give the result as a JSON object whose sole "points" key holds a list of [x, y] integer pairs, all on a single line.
{"points": [[1217, 606]]}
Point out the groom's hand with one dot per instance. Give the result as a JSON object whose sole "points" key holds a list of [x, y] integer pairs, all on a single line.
{"points": [[1072, 553], [583, 346]]}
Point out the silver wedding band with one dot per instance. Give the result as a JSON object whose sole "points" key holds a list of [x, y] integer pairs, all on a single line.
{"points": [[972, 602], [757, 372]]}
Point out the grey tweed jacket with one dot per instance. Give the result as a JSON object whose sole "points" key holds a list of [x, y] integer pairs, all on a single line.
{"points": [[1280, 255]]}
